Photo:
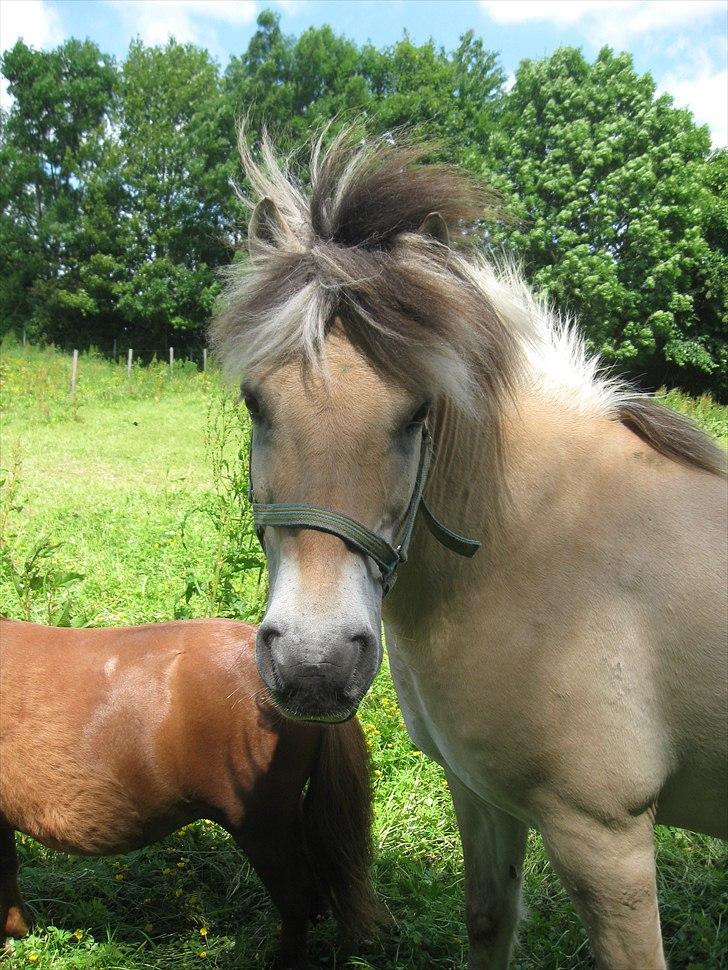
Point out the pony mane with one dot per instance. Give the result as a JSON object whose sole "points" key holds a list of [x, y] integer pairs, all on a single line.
{"points": [[353, 252]]}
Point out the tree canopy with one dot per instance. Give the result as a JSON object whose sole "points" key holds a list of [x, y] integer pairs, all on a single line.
{"points": [[117, 211]]}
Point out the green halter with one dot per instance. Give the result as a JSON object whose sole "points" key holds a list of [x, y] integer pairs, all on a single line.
{"points": [[282, 515]]}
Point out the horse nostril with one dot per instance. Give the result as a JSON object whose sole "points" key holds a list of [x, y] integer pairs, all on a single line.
{"points": [[363, 640], [269, 634]]}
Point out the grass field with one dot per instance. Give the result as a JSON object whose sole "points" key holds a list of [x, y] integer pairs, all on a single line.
{"points": [[118, 479]]}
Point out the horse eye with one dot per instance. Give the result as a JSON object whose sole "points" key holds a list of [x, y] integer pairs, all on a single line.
{"points": [[252, 404], [420, 415]]}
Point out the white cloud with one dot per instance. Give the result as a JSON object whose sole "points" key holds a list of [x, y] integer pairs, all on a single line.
{"points": [[189, 21], [39, 25], [704, 90], [612, 22]]}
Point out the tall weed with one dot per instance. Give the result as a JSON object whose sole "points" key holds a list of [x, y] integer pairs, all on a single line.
{"points": [[234, 586]]}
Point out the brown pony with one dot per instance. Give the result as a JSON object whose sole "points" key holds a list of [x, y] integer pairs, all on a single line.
{"points": [[111, 739]]}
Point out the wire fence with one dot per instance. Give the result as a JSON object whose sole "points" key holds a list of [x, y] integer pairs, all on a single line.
{"points": [[122, 350]]}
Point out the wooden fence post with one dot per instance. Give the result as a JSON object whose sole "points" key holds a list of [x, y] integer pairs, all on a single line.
{"points": [[129, 359], [204, 359], [74, 374], [171, 361]]}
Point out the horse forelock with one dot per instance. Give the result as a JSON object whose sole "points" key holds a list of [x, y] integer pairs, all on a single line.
{"points": [[349, 250]]}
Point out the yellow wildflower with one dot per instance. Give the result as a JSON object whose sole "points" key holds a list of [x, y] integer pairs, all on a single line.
{"points": [[119, 877], [33, 957], [202, 954], [203, 931], [78, 934]]}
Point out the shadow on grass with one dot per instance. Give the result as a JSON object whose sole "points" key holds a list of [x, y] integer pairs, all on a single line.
{"points": [[194, 901], [148, 908]]}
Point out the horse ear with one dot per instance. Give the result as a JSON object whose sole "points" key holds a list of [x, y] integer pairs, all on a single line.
{"points": [[266, 227], [434, 225]]}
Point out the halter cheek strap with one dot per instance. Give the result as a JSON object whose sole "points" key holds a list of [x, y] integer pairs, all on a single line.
{"points": [[282, 515]]}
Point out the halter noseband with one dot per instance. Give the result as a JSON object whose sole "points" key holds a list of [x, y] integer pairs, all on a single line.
{"points": [[283, 515]]}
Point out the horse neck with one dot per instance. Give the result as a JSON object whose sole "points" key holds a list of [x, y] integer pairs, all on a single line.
{"points": [[514, 488]]}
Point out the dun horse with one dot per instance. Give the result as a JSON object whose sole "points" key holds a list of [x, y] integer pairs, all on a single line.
{"points": [[571, 675], [111, 739]]}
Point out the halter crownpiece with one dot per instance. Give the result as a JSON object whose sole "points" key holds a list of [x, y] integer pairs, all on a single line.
{"points": [[284, 515]]}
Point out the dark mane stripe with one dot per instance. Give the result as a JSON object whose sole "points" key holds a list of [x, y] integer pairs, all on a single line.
{"points": [[391, 192], [672, 434]]}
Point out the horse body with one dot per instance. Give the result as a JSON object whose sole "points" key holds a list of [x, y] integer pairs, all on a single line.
{"points": [[111, 739], [572, 675], [570, 642]]}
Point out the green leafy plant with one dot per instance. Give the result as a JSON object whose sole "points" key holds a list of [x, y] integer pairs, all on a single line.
{"points": [[234, 585], [116, 210]]}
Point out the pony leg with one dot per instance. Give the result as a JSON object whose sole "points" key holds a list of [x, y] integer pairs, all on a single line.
{"points": [[494, 844], [276, 853], [12, 914], [609, 872]]}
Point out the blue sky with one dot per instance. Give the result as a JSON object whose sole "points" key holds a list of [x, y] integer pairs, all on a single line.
{"points": [[683, 43]]}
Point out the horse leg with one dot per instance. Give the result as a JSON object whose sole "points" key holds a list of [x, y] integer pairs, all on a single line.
{"points": [[275, 851], [12, 915], [494, 844], [609, 872]]}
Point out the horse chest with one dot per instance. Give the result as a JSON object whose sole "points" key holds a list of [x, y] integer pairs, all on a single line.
{"points": [[441, 725]]}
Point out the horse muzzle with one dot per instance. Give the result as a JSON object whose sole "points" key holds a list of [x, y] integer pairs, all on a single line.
{"points": [[321, 676]]}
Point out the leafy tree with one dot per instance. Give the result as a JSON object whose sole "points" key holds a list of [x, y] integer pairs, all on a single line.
{"points": [[295, 87], [711, 279], [257, 84], [452, 99], [174, 166], [605, 181], [52, 142]]}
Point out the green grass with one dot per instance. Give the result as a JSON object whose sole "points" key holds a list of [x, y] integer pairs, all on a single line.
{"points": [[113, 478]]}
